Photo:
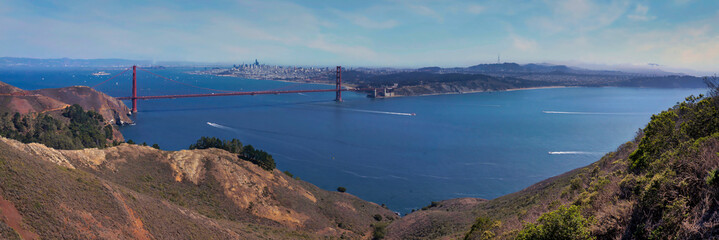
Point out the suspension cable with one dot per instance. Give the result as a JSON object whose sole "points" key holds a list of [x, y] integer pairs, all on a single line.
{"points": [[189, 85], [110, 78]]}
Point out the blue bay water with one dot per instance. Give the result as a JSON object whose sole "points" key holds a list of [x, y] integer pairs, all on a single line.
{"points": [[470, 145]]}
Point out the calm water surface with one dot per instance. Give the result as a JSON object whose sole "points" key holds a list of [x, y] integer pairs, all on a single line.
{"points": [[469, 145]]}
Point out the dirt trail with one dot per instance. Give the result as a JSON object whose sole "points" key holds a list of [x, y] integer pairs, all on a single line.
{"points": [[10, 215], [54, 109]]}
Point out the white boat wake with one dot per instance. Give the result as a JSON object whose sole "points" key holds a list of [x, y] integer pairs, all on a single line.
{"points": [[220, 126], [570, 152], [381, 112]]}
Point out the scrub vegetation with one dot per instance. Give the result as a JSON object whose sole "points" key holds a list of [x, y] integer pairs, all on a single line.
{"points": [[74, 129], [661, 185]]}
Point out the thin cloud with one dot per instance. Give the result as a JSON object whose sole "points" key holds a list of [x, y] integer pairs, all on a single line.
{"points": [[394, 32], [578, 15], [369, 23], [364, 21], [358, 52], [641, 14], [424, 11], [474, 9], [524, 44]]}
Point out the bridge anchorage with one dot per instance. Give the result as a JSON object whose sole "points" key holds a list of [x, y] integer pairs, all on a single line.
{"points": [[134, 97]]}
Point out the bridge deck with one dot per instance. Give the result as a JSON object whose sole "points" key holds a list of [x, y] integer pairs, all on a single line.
{"points": [[239, 93]]}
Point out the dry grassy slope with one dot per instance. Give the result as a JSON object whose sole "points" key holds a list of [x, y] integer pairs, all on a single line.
{"points": [[111, 109], [29, 104], [13, 99], [137, 192], [447, 220], [7, 88], [596, 187], [53, 100], [451, 87]]}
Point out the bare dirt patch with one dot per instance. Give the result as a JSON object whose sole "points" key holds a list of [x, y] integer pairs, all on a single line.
{"points": [[10, 215]]}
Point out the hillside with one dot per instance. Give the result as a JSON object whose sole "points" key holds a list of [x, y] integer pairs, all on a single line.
{"points": [[13, 99], [53, 100], [429, 83], [661, 185], [111, 109], [505, 76], [139, 192], [42, 116]]}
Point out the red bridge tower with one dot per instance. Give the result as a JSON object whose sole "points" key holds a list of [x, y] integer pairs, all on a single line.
{"points": [[134, 89], [338, 98]]}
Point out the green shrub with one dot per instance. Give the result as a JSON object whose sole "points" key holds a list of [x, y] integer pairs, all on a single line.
{"points": [[483, 229], [380, 230], [658, 137], [377, 217], [258, 157], [233, 146], [564, 223], [576, 183], [341, 189], [713, 178]]}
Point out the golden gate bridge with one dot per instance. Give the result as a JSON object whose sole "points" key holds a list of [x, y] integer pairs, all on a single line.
{"points": [[134, 97]]}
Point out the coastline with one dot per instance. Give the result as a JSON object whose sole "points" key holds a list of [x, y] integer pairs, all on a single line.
{"points": [[535, 88], [278, 80], [480, 91], [395, 96]]}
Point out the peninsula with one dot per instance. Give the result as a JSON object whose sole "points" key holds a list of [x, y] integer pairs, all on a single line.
{"points": [[391, 82]]}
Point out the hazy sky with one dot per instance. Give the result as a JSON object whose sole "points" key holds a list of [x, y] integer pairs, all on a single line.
{"points": [[672, 33]]}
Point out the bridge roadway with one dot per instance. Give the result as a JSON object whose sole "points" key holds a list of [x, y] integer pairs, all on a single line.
{"points": [[242, 93]]}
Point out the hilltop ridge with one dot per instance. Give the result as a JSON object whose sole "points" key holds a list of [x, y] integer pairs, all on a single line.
{"points": [[139, 192], [54, 100]]}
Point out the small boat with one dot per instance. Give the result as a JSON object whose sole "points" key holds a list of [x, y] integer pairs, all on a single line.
{"points": [[100, 73]]}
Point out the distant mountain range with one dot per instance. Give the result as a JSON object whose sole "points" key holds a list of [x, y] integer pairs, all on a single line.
{"points": [[514, 69], [489, 69], [66, 62], [15, 62]]}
